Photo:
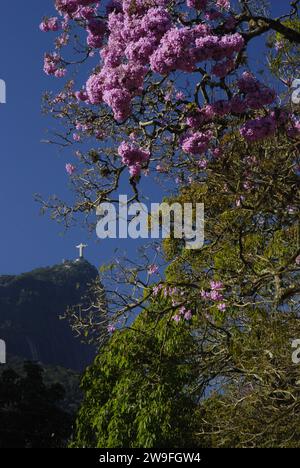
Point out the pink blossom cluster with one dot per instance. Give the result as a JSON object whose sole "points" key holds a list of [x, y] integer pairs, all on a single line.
{"points": [[138, 37], [168, 291], [197, 143], [133, 157], [53, 65], [152, 269], [176, 294], [80, 10], [62, 40], [140, 34], [157, 289], [96, 31], [200, 117], [182, 48], [81, 95], [259, 128], [215, 295], [206, 114], [176, 50], [71, 8], [146, 36], [132, 39], [225, 4], [184, 313], [211, 47], [111, 328], [70, 168], [83, 127], [116, 87], [50, 24], [256, 94], [252, 95], [265, 127]]}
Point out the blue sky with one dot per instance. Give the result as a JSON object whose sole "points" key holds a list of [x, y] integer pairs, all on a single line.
{"points": [[29, 240]]}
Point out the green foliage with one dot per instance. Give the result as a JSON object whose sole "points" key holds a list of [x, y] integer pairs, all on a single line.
{"points": [[137, 393], [259, 407]]}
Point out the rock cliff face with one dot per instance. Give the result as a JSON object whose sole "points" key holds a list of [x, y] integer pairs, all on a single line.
{"points": [[30, 308]]}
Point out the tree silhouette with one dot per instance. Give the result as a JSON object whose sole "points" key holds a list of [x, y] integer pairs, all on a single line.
{"points": [[29, 412]]}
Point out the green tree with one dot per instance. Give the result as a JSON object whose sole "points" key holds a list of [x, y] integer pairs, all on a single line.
{"points": [[138, 391], [258, 406], [239, 374], [232, 143], [252, 248]]}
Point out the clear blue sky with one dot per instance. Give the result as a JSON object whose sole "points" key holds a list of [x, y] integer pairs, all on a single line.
{"points": [[28, 166]]}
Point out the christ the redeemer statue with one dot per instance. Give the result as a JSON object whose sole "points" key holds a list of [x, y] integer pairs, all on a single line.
{"points": [[81, 248]]}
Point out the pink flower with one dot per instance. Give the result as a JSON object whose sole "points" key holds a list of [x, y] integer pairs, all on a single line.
{"points": [[96, 31], [225, 4], [180, 96], [152, 269], [50, 24], [188, 315], [216, 285], [196, 143], [205, 294], [60, 73], [258, 129], [81, 95], [133, 157], [247, 185], [202, 163], [215, 296], [298, 260], [221, 306], [76, 137], [52, 65], [62, 40], [157, 289], [217, 152], [70, 168], [111, 328], [279, 45], [176, 318]]}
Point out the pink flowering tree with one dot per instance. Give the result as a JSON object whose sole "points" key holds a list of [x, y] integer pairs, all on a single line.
{"points": [[165, 81], [164, 89]]}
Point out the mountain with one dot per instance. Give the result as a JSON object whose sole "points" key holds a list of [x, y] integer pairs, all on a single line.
{"points": [[31, 305]]}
